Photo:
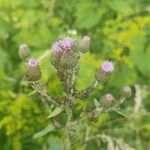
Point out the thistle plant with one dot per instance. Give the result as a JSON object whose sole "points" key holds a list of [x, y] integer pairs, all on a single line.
{"points": [[65, 57]]}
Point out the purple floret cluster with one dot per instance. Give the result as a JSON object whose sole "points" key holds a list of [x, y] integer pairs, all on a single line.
{"points": [[32, 63], [109, 97], [63, 45], [107, 66]]}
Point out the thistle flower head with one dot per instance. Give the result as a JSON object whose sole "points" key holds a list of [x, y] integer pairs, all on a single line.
{"points": [[104, 71], [84, 43], [33, 70], [107, 66], [126, 92], [24, 51], [56, 48], [32, 63], [108, 97], [107, 100], [63, 45], [86, 39], [23, 46], [64, 55], [67, 43]]}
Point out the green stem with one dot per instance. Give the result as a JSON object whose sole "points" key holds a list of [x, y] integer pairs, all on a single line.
{"points": [[84, 93], [45, 97], [67, 127], [70, 90]]}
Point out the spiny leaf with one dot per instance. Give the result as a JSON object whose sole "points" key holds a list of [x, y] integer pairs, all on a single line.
{"points": [[32, 93], [96, 103], [56, 111], [45, 131]]}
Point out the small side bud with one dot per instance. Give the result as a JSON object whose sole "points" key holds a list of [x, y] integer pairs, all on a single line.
{"points": [[84, 44], [33, 70], [107, 100], [126, 92], [104, 71], [24, 51]]}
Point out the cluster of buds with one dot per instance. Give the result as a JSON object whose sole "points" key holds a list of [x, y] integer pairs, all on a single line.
{"points": [[66, 54], [33, 70], [65, 58]]}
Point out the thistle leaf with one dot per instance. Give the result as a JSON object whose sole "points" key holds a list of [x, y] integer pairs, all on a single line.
{"points": [[54, 113], [43, 132]]}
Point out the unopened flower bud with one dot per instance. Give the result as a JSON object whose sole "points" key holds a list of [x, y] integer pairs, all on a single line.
{"points": [[107, 100], [126, 92], [104, 71], [24, 51], [84, 44], [33, 70]]}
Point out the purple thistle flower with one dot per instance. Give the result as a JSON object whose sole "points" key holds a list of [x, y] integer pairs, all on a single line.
{"points": [[32, 63], [33, 70], [109, 97], [56, 48], [63, 45], [107, 100], [107, 66], [67, 43]]}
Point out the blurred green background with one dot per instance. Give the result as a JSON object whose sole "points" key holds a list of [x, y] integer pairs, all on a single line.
{"points": [[119, 31]]}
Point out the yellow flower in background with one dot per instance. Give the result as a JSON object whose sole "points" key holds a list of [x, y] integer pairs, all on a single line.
{"points": [[127, 61], [117, 53], [142, 21]]}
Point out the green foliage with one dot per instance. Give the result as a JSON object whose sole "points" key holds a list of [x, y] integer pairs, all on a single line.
{"points": [[55, 112], [45, 131], [120, 31]]}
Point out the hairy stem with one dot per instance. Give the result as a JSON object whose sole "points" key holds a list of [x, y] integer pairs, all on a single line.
{"points": [[107, 138], [92, 115], [69, 92], [67, 127], [46, 99], [84, 93]]}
